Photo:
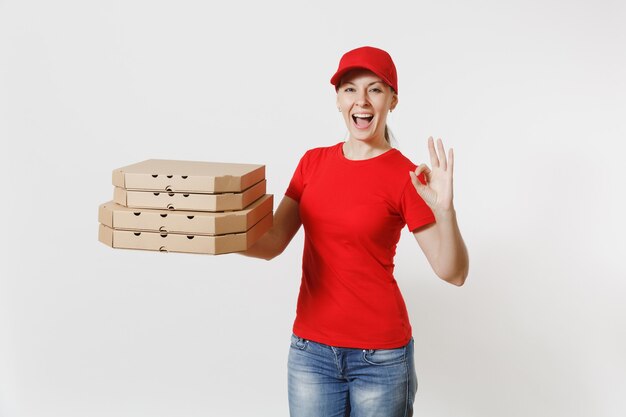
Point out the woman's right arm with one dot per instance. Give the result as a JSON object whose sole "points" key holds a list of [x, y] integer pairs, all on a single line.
{"points": [[286, 224]]}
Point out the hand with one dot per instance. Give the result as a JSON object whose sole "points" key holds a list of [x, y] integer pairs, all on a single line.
{"points": [[437, 192]]}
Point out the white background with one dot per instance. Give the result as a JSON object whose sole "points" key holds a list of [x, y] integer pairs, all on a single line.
{"points": [[531, 95]]}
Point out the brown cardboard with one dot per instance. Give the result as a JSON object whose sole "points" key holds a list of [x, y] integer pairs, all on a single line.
{"points": [[116, 216], [189, 201], [188, 176], [175, 242]]}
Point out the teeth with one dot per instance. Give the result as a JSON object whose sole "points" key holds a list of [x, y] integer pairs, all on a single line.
{"points": [[363, 115]]}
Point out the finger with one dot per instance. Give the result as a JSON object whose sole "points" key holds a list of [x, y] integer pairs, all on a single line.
{"points": [[451, 161], [423, 168], [434, 160], [443, 163]]}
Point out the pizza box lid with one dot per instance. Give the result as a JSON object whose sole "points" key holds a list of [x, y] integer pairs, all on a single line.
{"points": [[116, 216], [170, 200], [185, 243], [188, 176]]}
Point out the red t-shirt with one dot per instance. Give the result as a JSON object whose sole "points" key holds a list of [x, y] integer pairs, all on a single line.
{"points": [[353, 213]]}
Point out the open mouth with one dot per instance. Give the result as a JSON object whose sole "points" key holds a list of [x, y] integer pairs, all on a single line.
{"points": [[362, 120]]}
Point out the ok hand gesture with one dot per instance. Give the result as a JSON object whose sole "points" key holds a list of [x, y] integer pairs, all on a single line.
{"points": [[437, 192]]}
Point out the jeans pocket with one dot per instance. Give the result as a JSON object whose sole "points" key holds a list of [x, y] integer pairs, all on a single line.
{"points": [[384, 356], [298, 342]]}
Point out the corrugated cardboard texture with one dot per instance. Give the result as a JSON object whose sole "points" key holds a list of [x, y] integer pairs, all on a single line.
{"points": [[188, 176], [177, 221], [189, 201], [174, 242]]}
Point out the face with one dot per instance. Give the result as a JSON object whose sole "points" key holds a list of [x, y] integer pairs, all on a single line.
{"points": [[365, 100]]}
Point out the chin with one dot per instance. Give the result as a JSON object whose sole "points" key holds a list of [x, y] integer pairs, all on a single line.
{"points": [[363, 136]]}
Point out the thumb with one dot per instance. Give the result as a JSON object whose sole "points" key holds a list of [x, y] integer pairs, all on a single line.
{"points": [[416, 182]]}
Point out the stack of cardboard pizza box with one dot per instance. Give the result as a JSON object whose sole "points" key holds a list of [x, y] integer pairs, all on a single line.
{"points": [[186, 206]]}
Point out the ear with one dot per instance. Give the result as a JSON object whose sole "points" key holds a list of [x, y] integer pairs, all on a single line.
{"points": [[394, 102]]}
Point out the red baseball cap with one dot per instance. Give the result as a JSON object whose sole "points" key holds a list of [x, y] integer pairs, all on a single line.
{"points": [[370, 58]]}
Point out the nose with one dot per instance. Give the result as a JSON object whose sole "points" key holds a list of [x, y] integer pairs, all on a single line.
{"points": [[361, 98]]}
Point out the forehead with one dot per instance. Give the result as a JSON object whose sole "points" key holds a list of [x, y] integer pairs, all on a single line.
{"points": [[360, 75]]}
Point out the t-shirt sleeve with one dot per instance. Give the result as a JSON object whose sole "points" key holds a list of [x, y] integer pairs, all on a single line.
{"points": [[296, 185], [415, 211]]}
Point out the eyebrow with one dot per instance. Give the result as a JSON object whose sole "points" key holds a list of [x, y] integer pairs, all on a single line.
{"points": [[375, 82]]}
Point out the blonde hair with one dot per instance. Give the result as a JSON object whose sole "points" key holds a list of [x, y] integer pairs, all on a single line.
{"points": [[391, 138]]}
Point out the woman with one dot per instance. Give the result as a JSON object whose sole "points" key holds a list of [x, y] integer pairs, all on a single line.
{"points": [[352, 347]]}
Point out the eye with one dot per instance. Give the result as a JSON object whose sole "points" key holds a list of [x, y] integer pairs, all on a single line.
{"points": [[349, 89], [376, 90]]}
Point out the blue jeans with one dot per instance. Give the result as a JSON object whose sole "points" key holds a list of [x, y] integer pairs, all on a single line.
{"points": [[328, 381]]}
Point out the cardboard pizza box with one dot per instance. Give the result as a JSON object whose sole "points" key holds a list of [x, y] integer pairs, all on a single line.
{"points": [[188, 176], [171, 200], [116, 216], [185, 243]]}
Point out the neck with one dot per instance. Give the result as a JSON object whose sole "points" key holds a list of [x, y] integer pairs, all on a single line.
{"points": [[359, 149]]}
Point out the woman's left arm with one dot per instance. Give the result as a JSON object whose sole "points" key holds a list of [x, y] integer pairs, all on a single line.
{"points": [[441, 242]]}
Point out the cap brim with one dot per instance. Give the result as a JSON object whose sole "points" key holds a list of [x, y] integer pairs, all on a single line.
{"points": [[336, 79]]}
